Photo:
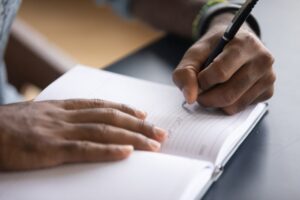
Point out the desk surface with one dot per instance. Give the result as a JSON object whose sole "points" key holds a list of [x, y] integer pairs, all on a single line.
{"points": [[89, 34], [267, 165]]}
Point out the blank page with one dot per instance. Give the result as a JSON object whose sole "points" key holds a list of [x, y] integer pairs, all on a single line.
{"points": [[198, 133], [143, 175]]}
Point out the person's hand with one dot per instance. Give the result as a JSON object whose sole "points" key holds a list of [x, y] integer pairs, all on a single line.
{"points": [[44, 134], [241, 75]]}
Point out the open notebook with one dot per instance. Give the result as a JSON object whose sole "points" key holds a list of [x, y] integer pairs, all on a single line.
{"points": [[199, 145]]}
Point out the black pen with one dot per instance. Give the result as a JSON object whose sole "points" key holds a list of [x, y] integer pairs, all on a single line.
{"points": [[232, 29]]}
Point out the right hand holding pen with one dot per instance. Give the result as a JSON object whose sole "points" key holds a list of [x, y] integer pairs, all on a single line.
{"points": [[241, 75]]}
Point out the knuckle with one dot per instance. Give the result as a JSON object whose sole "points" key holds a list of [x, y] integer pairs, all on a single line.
{"points": [[127, 108], [52, 103], [272, 78], [247, 76], [190, 53], [228, 98], [112, 114], [196, 48], [56, 114], [69, 104], [98, 102], [237, 41], [110, 151], [141, 125], [78, 148], [235, 51], [124, 107], [84, 147], [266, 59], [56, 124], [70, 147], [250, 38], [269, 93], [269, 80], [177, 72], [103, 129], [220, 73], [145, 127]]}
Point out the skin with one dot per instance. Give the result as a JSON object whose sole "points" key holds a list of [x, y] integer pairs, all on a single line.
{"points": [[241, 75], [36, 135]]}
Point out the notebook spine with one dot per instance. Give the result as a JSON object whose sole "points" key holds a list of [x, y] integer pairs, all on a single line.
{"points": [[217, 172]]}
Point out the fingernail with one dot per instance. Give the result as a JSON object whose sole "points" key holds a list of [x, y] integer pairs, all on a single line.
{"points": [[125, 151], [161, 134], [141, 114], [128, 147], [154, 145], [185, 94]]}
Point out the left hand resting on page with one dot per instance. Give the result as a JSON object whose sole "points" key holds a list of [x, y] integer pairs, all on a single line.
{"points": [[36, 135]]}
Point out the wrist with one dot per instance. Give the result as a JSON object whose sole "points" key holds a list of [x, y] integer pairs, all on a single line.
{"points": [[220, 13], [1, 149], [223, 20], [162, 15]]}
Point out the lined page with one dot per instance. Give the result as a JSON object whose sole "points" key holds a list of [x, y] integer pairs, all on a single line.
{"points": [[198, 133]]}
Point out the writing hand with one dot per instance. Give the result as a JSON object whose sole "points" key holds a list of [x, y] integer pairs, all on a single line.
{"points": [[241, 75]]}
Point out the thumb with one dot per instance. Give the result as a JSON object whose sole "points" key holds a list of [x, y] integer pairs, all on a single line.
{"points": [[186, 79], [186, 74]]}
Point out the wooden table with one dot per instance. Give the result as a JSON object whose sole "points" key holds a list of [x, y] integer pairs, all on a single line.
{"points": [[88, 33], [51, 36]]}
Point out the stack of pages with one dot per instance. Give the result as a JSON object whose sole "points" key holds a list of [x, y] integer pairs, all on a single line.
{"points": [[199, 145]]}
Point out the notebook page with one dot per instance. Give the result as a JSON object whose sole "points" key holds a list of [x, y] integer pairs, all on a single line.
{"points": [[197, 134], [143, 175], [234, 140]]}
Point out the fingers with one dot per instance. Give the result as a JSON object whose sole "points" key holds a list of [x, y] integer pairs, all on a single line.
{"points": [[106, 134], [119, 119], [83, 151], [226, 82], [265, 96], [221, 69], [229, 92], [186, 79], [185, 75], [244, 49], [77, 104], [233, 83], [254, 95]]}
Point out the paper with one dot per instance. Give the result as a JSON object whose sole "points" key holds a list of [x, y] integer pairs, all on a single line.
{"points": [[197, 134], [144, 175]]}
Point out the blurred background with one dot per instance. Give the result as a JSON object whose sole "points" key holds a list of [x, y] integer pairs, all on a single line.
{"points": [[50, 37]]}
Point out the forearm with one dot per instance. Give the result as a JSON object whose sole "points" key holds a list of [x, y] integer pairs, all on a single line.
{"points": [[1, 148], [175, 16]]}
